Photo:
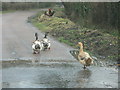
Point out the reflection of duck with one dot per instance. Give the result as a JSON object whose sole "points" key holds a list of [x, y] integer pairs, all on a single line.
{"points": [[84, 57], [82, 77], [85, 73]]}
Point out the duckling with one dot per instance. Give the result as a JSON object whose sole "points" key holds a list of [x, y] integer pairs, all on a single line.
{"points": [[84, 57]]}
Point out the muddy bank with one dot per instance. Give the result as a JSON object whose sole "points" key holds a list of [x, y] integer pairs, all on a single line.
{"points": [[97, 43]]}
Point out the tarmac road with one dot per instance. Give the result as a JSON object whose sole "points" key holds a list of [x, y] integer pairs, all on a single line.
{"points": [[18, 36], [55, 68]]}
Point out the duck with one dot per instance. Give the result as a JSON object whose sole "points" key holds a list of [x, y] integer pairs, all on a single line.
{"points": [[46, 42], [84, 57], [36, 45]]}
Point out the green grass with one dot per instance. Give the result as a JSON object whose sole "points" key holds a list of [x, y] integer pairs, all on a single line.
{"points": [[41, 26], [62, 39], [8, 11], [113, 32], [51, 23], [97, 41], [114, 57]]}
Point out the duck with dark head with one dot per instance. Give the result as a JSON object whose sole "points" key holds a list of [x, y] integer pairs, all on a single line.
{"points": [[46, 42], [36, 45]]}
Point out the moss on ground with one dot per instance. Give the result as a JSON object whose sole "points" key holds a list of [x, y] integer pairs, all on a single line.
{"points": [[66, 31]]}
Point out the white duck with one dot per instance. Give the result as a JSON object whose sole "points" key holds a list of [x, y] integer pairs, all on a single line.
{"points": [[37, 45], [46, 42]]}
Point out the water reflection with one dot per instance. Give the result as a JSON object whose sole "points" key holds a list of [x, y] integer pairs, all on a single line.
{"points": [[52, 80], [83, 77]]}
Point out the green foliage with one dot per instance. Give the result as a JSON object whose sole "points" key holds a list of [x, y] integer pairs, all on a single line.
{"points": [[52, 23], [25, 5], [104, 15], [97, 41], [41, 26], [62, 39]]}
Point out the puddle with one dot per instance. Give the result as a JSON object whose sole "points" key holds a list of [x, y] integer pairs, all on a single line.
{"points": [[37, 74]]}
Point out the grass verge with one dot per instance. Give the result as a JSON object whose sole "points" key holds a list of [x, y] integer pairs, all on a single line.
{"points": [[99, 43], [8, 11]]}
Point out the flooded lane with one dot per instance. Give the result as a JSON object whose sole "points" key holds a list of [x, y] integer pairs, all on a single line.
{"points": [[57, 75], [56, 68]]}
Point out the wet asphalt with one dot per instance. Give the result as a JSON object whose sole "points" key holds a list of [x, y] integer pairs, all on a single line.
{"points": [[55, 68]]}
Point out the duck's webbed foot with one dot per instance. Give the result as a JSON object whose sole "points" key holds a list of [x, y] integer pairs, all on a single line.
{"points": [[84, 67]]}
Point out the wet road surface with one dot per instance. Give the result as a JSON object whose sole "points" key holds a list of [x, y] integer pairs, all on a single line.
{"points": [[18, 36], [24, 74], [56, 68]]}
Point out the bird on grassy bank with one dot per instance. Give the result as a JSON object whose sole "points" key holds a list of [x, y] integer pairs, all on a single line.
{"points": [[49, 12], [84, 57]]}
